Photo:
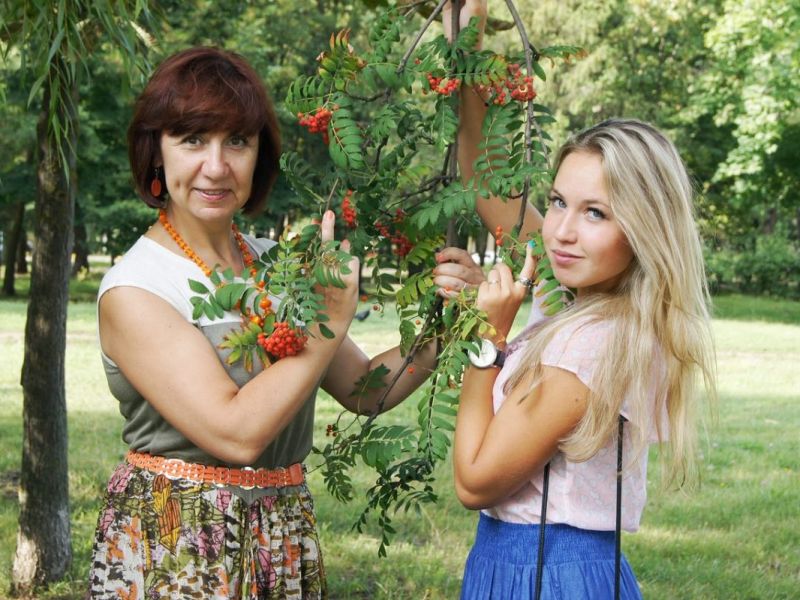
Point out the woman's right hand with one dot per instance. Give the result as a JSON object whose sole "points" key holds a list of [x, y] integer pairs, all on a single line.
{"points": [[500, 296], [469, 9], [341, 303]]}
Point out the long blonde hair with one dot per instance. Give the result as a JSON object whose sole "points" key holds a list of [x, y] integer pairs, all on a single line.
{"points": [[659, 309]]}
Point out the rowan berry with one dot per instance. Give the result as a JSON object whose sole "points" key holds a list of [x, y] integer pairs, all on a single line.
{"points": [[318, 122], [411, 370], [442, 86], [348, 212], [376, 307], [283, 341]]}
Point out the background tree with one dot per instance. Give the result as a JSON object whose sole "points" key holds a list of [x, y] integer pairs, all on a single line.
{"points": [[52, 41], [17, 180]]}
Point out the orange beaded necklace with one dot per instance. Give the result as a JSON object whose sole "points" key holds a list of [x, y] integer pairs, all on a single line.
{"points": [[247, 258]]}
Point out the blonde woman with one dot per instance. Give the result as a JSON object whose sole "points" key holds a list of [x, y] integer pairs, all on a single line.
{"points": [[543, 430]]}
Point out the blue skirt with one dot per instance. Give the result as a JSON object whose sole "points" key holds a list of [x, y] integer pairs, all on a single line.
{"points": [[578, 564]]}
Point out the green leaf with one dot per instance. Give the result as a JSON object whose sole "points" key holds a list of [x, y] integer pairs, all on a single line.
{"points": [[325, 331], [229, 294], [198, 287]]}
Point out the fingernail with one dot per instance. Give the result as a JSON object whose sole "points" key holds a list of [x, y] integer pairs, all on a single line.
{"points": [[328, 215]]}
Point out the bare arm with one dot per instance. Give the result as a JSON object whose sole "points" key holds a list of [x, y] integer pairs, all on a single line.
{"points": [[494, 455], [350, 364], [174, 367], [493, 211]]}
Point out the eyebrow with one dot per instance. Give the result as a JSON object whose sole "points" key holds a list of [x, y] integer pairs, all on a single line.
{"points": [[553, 190]]}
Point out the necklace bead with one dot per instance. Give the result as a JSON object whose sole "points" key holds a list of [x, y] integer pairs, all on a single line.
{"points": [[247, 257]]}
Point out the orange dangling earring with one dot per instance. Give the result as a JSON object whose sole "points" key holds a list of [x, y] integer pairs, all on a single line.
{"points": [[155, 185]]}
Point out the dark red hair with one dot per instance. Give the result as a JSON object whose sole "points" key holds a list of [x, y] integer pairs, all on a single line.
{"points": [[197, 91]]}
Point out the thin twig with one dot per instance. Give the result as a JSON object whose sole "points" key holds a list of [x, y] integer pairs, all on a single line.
{"points": [[366, 99], [406, 361], [404, 61], [452, 236], [330, 195], [526, 43]]}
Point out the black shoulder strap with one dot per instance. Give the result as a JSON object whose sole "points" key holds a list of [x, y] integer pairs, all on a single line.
{"points": [[617, 530]]}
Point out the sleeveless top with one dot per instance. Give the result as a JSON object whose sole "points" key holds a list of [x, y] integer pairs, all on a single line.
{"points": [[582, 494], [151, 267]]}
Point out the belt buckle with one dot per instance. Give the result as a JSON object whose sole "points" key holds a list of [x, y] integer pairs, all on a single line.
{"points": [[170, 466], [253, 471]]}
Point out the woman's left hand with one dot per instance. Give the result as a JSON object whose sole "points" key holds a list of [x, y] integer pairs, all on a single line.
{"points": [[500, 296], [454, 271]]}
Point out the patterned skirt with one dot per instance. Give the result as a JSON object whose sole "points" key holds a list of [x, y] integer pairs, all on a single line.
{"points": [[171, 538]]}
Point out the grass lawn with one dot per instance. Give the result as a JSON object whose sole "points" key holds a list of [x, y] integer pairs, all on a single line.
{"points": [[734, 538]]}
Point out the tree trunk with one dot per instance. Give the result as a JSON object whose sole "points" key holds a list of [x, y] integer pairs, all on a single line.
{"points": [[22, 253], [797, 222], [11, 248], [280, 226], [770, 221], [81, 247], [43, 540], [480, 245]]}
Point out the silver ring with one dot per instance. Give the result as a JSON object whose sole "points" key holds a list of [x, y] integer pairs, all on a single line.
{"points": [[527, 282], [492, 282]]}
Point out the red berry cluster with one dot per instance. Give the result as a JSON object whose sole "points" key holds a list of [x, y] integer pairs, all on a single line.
{"points": [[519, 87], [402, 244], [443, 86], [348, 212], [283, 341], [498, 236], [331, 430], [318, 122]]}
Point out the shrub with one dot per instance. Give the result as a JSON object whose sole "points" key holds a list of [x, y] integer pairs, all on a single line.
{"points": [[772, 268]]}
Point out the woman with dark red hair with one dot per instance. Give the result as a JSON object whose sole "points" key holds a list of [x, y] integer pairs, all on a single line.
{"points": [[211, 500]]}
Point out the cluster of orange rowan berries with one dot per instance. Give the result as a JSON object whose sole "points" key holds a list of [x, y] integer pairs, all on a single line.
{"points": [[443, 86], [402, 245], [331, 430], [348, 212], [318, 122], [283, 341], [519, 87], [498, 236]]}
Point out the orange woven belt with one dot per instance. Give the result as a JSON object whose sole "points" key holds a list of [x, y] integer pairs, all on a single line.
{"points": [[246, 478]]}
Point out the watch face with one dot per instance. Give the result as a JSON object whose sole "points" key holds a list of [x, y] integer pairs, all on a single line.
{"points": [[486, 356]]}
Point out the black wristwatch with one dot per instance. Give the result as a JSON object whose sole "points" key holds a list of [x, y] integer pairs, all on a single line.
{"points": [[488, 355]]}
